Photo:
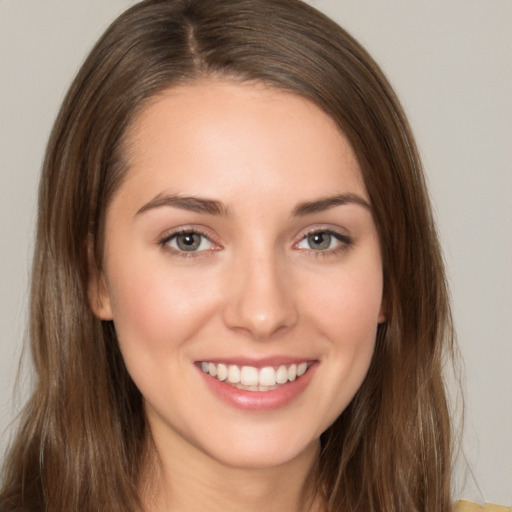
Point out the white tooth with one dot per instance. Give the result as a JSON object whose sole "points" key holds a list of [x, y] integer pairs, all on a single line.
{"points": [[222, 372], [204, 367], [253, 388], [301, 369], [233, 374], [292, 372], [282, 375], [249, 376], [212, 369], [267, 376]]}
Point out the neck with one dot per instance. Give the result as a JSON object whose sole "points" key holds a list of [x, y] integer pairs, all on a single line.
{"points": [[184, 483]]}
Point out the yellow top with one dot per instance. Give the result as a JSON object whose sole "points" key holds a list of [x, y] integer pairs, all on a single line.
{"points": [[466, 506]]}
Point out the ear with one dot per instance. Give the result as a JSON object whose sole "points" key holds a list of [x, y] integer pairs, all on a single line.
{"points": [[97, 290], [383, 313]]}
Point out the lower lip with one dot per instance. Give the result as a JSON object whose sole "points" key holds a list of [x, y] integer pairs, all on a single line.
{"points": [[259, 400]]}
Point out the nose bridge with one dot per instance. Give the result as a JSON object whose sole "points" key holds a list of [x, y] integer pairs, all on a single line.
{"points": [[260, 301]]}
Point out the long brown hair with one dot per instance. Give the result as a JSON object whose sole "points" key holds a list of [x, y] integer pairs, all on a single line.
{"points": [[82, 440]]}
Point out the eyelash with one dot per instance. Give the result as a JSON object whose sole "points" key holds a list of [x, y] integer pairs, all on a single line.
{"points": [[344, 243], [166, 239]]}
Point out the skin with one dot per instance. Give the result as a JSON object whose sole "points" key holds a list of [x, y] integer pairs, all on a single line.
{"points": [[255, 288]]}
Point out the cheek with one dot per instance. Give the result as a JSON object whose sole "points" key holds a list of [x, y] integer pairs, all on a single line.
{"points": [[155, 308], [348, 304], [349, 321], [345, 307]]}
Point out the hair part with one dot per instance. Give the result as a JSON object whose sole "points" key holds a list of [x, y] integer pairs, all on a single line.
{"points": [[83, 440]]}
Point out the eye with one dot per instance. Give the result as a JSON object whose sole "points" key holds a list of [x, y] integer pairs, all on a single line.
{"points": [[323, 240], [188, 241]]}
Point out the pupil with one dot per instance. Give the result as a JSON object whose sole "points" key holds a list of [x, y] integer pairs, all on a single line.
{"points": [[319, 241]]}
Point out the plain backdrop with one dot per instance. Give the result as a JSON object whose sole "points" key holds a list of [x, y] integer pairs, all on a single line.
{"points": [[451, 64]]}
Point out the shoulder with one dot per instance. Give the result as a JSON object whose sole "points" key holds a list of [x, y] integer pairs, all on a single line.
{"points": [[467, 506]]}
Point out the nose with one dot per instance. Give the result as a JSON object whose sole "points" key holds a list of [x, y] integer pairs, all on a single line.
{"points": [[260, 300]]}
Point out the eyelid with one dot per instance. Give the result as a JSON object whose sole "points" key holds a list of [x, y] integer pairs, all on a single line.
{"points": [[164, 239], [345, 240]]}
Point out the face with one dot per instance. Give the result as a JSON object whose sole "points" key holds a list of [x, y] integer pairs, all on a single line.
{"points": [[242, 272]]}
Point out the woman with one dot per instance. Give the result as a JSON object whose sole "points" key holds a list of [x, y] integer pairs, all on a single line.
{"points": [[231, 199]]}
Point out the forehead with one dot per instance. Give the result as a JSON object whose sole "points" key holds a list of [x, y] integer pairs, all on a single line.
{"points": [[219, 134]]}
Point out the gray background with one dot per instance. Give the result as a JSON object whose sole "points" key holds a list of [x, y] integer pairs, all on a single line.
{"points": [[450, 62]]}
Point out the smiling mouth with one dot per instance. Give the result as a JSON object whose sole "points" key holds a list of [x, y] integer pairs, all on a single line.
{"points": [[250, 378]]}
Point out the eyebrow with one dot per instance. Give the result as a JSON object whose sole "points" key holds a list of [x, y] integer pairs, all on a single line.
{"points": [[193, 204], [214, 207], [320, 205]]}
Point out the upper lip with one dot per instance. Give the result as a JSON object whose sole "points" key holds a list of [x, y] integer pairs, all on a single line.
{"points": [[258, 362]]}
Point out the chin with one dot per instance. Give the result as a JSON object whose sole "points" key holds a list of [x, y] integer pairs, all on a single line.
{"points": [[263, 455]]}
